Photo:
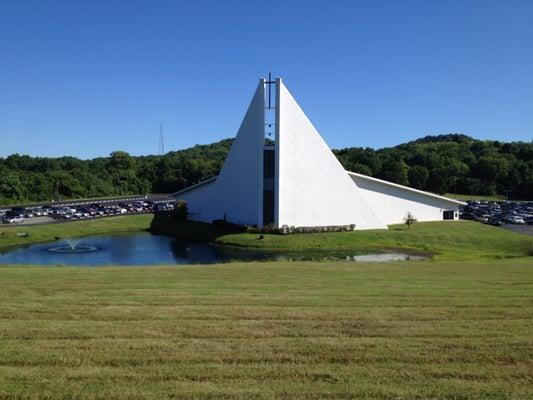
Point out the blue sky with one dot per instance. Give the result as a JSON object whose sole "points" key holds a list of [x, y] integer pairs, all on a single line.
{"points": [[85, 78]]}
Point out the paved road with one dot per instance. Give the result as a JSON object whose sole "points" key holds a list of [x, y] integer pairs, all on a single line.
{"points": [[156, 198], [525, 229]]}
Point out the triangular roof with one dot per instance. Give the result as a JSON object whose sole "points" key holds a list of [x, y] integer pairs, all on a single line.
{"points": [[237, 192], [313, 187], [239, 185]]}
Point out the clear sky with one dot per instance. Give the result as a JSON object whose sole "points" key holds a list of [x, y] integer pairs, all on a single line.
{"points": [[85, 78]]}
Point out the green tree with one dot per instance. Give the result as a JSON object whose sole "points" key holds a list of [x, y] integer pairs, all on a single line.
{"points": [[394, 170], [409, 219], [180, 211], [11, 189], [418, 176]]}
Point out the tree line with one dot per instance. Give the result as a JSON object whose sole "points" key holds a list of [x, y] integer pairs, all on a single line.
{"points": [[451, 163], [440, 164], [35, 179]]}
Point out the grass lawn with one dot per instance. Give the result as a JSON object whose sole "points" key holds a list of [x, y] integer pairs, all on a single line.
{"points": [[443, 330], [446, 240], [48, 232]]}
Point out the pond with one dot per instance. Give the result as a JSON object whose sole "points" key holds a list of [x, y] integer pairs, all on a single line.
{"points": [[147, 249]]}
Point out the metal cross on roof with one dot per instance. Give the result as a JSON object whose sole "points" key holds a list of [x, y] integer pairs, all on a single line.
{"points": [[270, 82]]}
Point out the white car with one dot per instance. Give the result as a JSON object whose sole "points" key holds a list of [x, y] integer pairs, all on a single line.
{"points": [[18, 219], [517, 220]]}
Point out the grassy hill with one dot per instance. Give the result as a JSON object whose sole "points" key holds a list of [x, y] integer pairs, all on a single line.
{"points": [[454, 327], [421, 330], [446, 240]]}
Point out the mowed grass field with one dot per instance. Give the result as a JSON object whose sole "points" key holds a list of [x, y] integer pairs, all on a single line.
{"points": [[419, 330]]}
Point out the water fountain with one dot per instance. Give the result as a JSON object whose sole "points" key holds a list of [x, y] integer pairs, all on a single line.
{"points": [[73, 246]]}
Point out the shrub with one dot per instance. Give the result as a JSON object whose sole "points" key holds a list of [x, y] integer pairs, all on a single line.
{"points": [[251, 229], [229, 226], [409, 219], [219, 223], [180, 211], [270, 228]]}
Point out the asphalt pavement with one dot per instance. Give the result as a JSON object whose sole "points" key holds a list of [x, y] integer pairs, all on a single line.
{"points": [[525, 229]]}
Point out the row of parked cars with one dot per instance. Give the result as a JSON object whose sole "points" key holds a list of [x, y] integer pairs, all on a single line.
{"points": [[499, 212], [18, 215]]}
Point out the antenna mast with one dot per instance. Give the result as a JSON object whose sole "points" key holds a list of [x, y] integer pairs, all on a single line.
{"points": [[161, 142]]}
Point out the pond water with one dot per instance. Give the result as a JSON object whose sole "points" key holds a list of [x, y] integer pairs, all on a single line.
{"points": [[148, 249]]}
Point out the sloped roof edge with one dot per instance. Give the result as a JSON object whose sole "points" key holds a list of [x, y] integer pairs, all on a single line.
{"points": [[188, 188], [369, 178]]}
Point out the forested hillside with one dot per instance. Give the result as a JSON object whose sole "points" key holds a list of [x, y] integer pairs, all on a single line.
{"points": [[450, 164], [24, 178], [441, 164]]}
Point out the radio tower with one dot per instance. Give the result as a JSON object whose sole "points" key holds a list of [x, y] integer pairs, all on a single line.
{"points": [[161, 142]]}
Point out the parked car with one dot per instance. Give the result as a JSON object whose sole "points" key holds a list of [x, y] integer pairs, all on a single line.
{"points": [[516, 220], [160, 207], [14, 219], [137, 206], [483, 218], [495, 221], [36, 211]]}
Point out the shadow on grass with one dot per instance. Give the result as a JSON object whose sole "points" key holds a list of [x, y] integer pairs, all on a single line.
{"points": [[200, 232]]}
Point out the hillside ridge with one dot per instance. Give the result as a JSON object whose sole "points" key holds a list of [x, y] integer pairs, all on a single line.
{"points": [[448, 163]]}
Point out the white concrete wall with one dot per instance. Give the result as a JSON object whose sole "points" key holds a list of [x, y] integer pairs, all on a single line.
{"points": [[393, 203], [238, 189], [200, 201], [313, 188]]}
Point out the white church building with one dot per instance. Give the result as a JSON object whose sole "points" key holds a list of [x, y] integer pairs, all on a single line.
{"points": [[280, 171]]}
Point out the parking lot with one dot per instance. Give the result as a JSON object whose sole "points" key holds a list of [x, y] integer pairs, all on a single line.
{"points": [[79, 210], [516, 216], [524, 229], [38, 220]]}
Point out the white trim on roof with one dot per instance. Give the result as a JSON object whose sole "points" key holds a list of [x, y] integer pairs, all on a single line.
{"points": [[188, 188], [369, 178]]}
